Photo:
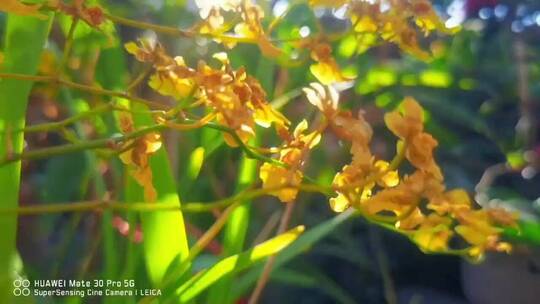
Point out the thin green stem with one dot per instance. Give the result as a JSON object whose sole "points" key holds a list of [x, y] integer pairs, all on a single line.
{"points": [[281, 17], [113, 141], [83, 87], [249, 152], [138, 80], [172, 31], [211, 233], [54, 126], [68, 45], [80, 146], [194, 207], [150, 26], [409, 234]]}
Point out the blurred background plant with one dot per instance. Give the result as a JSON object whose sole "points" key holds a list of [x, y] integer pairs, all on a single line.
{"points": [[480, 92]]}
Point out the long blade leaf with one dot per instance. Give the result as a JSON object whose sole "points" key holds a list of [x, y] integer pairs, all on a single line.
{"points": [[302, 244], [206, 278], [24, 40], [165, 238]]}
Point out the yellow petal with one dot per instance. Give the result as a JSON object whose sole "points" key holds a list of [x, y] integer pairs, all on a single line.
{"points": [[244, 30], [459, 197], [132, 48], [433, 239], [413, 109], [125, 157], [169, 84], [152, 142], [389, 178], [266, 115], [325, 98], [412, 221], [396, 124], [300, 128], [471, 235], [313, 139], [327, 73], [222, 57], [339, 203], [364, 24], [273, 176], [229, 140]]}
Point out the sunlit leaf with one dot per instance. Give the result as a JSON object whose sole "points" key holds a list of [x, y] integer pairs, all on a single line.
{"points": [[436, 78], [24, 40], [165, 237], [206, 278], [303, 243]]}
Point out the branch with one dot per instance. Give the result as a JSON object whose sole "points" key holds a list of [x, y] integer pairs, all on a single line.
{"points": [[173, 31], [193, 207], [113, 141], [80, 146], [83, 87], [53, 126]]}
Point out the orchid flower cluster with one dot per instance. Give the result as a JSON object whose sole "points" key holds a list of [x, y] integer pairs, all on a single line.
{"points": [[416, 204]]}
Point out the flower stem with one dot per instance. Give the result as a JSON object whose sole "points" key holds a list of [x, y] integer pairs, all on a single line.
{"points": [[141, 207], [79, 146], [172, 31], [83, 87], [54, 126]]}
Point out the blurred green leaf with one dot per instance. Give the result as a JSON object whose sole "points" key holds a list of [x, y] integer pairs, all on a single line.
{"points": [[165, 237], [528, 232], [302, 244], [314, 280], [237, 226], [436, 78], [25, 38], [347, 46], [377, 78], [64, 176], [515, 159], [194, 165], [204, 279]]}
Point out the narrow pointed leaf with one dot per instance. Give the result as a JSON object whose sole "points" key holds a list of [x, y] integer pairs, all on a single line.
{"points": [[24, 40], [206, 278], [165, 238], [303, 243]]}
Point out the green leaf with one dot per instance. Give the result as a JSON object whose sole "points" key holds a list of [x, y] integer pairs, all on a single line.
{"points": [[204, 279], [436, 78], [111, 70], [237, 226], [516, 159], [302, 244], [165, 236], [236, 230], [527, 232], [194, 165], [64, 178], [314, 280], [25, 38]]}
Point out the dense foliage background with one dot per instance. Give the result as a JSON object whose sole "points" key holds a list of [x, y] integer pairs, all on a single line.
{"points": [[481, 93]]}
